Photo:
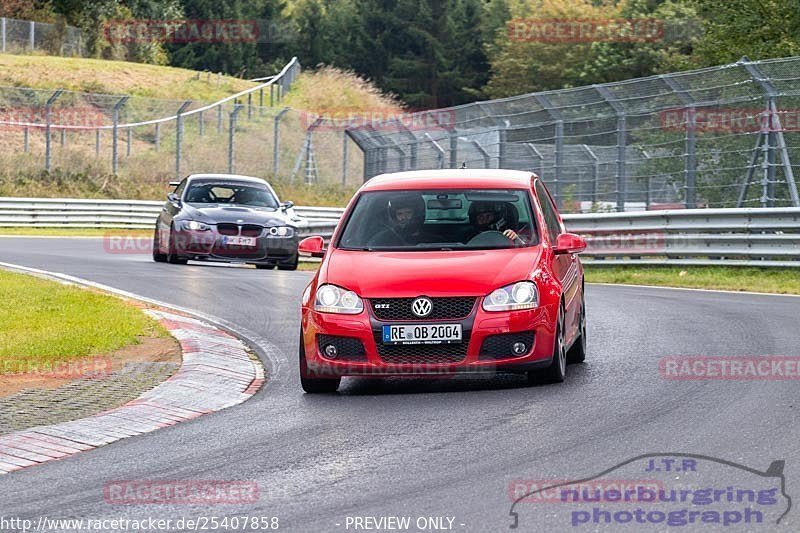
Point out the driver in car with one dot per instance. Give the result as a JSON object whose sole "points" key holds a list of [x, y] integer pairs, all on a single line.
{"points": [[490, 216], [406, 214]]}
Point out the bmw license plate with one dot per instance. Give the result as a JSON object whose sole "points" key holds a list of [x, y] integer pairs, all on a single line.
{"points": [[239, 241], [422, 334]]}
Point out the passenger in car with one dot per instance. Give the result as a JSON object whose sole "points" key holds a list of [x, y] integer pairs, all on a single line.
{"points": [[406, 215]]}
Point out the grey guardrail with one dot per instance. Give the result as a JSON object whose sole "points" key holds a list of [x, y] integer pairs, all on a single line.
{"points": [[752, 236]]}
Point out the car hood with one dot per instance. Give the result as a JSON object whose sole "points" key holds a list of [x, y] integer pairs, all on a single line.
{"points": [[215, 214], [447, 273]]}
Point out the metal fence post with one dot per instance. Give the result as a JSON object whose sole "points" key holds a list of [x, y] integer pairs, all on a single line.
{"points": [[179, 136], [344, 157], [115, 134], [276, 139], [32, 35], [271, 95], [453, 148], [690, 152], [231, 133], [26, 140], [438, 149], [775, 136], [539, 155], [200, 124], [595, 171], [261, 102], [63, 136], [97, 143], [249, 106], [219, 119], [3, 32], [622, 141], [128, 148], [48, 117]]}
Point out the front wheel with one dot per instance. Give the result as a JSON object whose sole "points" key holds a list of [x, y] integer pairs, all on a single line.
{"points": [[557, 370], [158, 257], [315, 385], [172, 256]]}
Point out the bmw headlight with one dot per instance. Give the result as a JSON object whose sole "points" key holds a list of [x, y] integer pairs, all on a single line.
{"points": [[194, 225], [333, 299], [520, 295], [281, 231]]}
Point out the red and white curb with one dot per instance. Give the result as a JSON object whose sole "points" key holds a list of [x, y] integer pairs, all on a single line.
{"points": [[217, 372]]}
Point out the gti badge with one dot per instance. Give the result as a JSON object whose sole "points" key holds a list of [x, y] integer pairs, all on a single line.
{"points": [[422, 307]]}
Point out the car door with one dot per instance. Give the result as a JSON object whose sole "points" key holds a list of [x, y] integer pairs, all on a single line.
{"points": [[566, 267]]}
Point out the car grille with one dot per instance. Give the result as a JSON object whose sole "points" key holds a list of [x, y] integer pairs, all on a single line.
{"points": [[251, 230], [228, 229], [443, 308], [499, 346], [347, 348], [422, 354]]}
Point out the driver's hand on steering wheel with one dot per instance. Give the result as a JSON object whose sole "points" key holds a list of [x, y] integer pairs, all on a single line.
{"points": [[511, 234]]}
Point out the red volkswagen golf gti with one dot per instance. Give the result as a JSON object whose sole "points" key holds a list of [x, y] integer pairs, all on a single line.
{"points": [[442, 272]]}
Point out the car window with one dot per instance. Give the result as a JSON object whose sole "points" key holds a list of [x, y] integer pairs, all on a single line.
{"points": [[549, 212], [230, 193], [181, 186], [440, 219]]}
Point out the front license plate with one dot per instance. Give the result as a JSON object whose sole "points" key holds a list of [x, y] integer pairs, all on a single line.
{"points": [[422, 334], [239, 241]]}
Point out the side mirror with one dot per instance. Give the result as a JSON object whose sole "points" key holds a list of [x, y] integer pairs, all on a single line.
{"points": [[313, 246], [569, 243], [174, 199], [287, 205]]}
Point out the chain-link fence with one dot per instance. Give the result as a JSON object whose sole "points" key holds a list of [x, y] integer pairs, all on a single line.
{"points": [[725, 136], [155, 140], [25, 36]]}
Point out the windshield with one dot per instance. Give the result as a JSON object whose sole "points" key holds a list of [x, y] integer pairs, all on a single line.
{"points": [[440, 220], [230, 193]]}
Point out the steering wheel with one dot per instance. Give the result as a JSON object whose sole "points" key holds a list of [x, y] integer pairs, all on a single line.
{"points": [[489, 238]]}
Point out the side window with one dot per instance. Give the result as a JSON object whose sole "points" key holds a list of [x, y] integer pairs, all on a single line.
{"points": [[181, 186], [549, 212]]}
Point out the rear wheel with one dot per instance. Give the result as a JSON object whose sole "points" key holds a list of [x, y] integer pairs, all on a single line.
{"points": [[265, 267], [577, 353], [158, 257], [315, 385], [172, 256], [557, 370]]}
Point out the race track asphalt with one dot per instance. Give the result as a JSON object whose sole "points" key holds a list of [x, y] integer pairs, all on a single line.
{"points": [[424, 447]]}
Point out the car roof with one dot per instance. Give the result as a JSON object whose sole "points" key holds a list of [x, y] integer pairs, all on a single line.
{"points": [[451, 178], [229, 177]]}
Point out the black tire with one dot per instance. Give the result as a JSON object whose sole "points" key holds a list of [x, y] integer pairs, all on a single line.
{"points": [[172, 256], [265, 267], [577, 352], [315, 385], [557, 370], [290, 266], [158, 257]]}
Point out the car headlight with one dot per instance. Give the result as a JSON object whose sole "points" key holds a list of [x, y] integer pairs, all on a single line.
{"points": [[333, 299], [194, 225], [521, 295], [281, 231]]}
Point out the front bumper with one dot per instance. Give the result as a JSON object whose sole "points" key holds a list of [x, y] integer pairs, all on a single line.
{"points": [[473, 356], [210, 246]]}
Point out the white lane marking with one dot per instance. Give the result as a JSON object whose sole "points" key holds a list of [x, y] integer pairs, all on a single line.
{"points": [[693, 289]]}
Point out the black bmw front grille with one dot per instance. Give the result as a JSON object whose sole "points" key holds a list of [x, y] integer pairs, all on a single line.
{"points": [[422, 354], [501, 346], [251, 230], [443, 308], [228, 229]]}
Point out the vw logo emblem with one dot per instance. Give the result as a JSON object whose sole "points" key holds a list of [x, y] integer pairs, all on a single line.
{"points": [[422, 307]]}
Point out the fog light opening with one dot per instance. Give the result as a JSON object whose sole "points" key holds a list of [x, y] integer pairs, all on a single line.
{"points": [[330, 351], [519, 348]]}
